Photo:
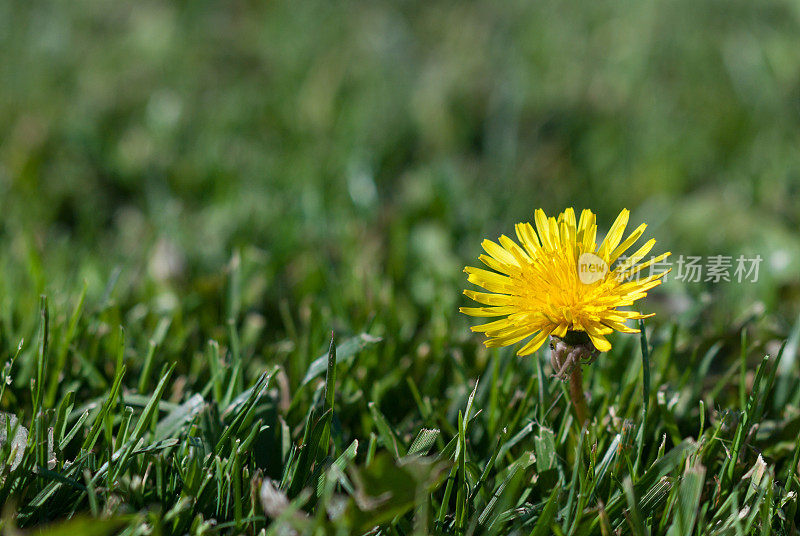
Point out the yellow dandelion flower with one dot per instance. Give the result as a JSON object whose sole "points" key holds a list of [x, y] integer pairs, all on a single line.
{"points": [[558, 281]]}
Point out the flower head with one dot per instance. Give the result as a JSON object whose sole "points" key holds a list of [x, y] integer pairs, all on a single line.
{"points": [[560, 281]]}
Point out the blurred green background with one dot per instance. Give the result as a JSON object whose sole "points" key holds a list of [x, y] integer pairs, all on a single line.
{"points": [[350, 156]]}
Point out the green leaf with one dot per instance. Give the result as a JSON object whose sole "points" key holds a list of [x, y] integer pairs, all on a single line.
{"points": [[387, 488], [11, 427], [546, 518], [385, 432], [689, 492], [345, 352], [423, 442]]}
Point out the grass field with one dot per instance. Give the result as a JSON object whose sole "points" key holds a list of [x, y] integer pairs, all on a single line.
{"points": [[232, 247]]}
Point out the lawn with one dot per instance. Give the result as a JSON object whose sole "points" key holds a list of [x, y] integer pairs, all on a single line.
{"points": [[233, 242]]}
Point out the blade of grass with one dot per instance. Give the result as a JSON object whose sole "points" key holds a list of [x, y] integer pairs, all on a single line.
{"points": [[645, 396], [330, 386], [63, 348]]}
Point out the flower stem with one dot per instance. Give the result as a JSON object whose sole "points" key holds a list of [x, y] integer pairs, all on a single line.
{"points": [[576, 394]]}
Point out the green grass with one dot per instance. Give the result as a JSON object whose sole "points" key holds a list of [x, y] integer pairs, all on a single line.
{"points": [[205, 192], [360, 441]]}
